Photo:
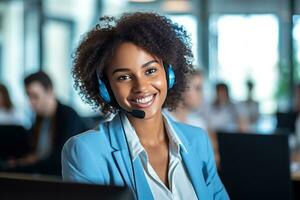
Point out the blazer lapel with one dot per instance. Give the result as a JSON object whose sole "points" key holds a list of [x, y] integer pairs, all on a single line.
{"points": [[131, 172], [124, 167], [142, 187], [194, 170], [120, 153]]}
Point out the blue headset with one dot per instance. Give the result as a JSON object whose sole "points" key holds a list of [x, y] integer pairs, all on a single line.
{"points": [[105, 93]]}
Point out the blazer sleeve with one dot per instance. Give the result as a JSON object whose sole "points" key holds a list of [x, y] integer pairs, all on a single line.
{"points": [[78, 164], [213, 182]]}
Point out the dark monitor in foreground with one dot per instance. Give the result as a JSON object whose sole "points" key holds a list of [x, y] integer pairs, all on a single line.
{"points": [[13, 141], [15, 189], [255, 166], [286, 122]]}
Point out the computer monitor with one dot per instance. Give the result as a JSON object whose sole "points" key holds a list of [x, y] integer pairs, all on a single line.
{"points": [[13, 141], [255, 166], [16, 189], [286, 122]]}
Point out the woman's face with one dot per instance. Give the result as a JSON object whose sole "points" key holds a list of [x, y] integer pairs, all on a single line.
{"points": [[137, 80], [222, 94]]}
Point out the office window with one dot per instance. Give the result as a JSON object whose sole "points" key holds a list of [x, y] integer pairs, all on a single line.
{"points": [[11, 39], [243, 47], [296, 40], [65, 24], [57, 57]]}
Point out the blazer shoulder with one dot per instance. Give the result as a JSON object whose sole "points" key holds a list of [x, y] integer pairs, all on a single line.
{"points": [[191, 133], [85, 155], [95, 140], [197, 140]]}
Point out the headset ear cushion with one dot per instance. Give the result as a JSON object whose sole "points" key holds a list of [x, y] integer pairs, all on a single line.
{"points": [[103, 91], [171, 76]]}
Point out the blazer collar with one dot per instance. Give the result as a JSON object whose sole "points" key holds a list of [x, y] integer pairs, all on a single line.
{"points": [[175, 126], [131, 171], [120, 151], [143, 190], [116, 133]]}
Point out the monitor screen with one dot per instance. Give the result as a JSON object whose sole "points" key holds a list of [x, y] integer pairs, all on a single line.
{"points": [[17, 188], [13, 141]]}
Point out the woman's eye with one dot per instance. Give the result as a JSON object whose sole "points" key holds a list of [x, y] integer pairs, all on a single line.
{"points": [[123, 78], [151, 71]]}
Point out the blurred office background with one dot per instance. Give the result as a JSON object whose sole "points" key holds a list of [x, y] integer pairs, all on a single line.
{"points": [[234, 41]]}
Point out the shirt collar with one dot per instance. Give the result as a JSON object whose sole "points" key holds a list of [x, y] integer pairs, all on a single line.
{"points": [[173, 137], [133, 141]]}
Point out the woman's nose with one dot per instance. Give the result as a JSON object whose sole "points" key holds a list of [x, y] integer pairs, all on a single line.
{"points": [[140, 85]]}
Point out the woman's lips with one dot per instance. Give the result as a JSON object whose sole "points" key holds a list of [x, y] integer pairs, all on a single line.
{"points": [[143, 102]]}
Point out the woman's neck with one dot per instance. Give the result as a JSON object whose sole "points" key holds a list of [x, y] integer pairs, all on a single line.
{"points": [[150, 131]]}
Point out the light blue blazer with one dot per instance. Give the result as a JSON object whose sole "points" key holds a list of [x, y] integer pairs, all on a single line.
{"points": [[101, 156]]}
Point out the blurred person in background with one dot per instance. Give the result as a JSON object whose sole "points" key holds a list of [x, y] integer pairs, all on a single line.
{"points": [[223, 115], [8, 114], [248, 111], [297, 111], [296, 107], [192, 100], [54, 124]]}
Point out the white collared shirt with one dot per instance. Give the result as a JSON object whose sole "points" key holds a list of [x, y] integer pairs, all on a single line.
{"points": [[179, 181]]}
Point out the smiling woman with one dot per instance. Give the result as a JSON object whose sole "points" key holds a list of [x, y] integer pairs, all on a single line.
{"points": [[137, 80], [128, 67]]}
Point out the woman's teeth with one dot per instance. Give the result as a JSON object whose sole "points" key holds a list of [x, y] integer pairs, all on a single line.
{"points": [[144, 99]]}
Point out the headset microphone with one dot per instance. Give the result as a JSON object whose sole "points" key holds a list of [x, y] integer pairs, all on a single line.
{"points": [[137, 113]]}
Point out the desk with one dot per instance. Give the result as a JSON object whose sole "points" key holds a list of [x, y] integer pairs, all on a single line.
{"points": [[29, 176]]}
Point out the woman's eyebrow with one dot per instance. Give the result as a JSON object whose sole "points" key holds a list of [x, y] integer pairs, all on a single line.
{"points": [[150, 62], [121, 69]]}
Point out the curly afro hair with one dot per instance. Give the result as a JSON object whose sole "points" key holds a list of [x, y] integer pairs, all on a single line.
{"points": [[154, 33]]}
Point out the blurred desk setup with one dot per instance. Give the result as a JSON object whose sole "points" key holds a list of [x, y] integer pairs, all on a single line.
{"points": [[272, 166], [261, 165], [22, 186], [16, 185], [286, 123], [255, 166], [13, 141], [295, 166]]}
